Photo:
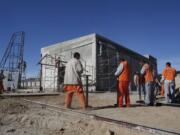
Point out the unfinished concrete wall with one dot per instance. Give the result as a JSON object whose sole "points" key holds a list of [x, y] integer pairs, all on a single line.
{"points": [[99, 56], [109, 54], [65, 50]]}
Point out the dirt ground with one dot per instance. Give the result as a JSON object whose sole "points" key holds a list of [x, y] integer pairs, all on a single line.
{"points": [[20, 118]]}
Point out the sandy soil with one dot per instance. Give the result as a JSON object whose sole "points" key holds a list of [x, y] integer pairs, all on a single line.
{"points": [[22, 118], [163, 117]]}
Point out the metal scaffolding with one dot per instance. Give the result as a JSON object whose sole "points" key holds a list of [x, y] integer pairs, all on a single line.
{"points": [[51, 72], [107, 63], [108, 59], [12, 60]]}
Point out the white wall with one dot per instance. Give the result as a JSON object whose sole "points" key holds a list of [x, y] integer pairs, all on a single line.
{"points": [[83, 45], [13, 83]]}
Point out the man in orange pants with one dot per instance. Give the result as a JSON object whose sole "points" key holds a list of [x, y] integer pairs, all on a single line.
{"points": [[72, 81], [123, 74]]}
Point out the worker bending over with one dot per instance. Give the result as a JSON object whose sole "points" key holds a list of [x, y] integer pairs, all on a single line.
{"points": [[72, 81], [123, 74], [147, 72], [168, 77]]}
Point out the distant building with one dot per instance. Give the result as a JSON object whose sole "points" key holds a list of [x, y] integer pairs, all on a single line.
{"points": [[11, 80], [30, 83], [100, 58]]}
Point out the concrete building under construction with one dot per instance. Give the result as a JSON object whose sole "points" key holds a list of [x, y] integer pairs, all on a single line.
{"points": [[99, 56]]}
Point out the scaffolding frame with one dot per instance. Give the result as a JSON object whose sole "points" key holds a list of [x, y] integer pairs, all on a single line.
{"points": [[13, 58], [55, 65], [108, 59]]}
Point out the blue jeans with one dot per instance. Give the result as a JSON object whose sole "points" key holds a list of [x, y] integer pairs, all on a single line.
{"points": [[169, 88], [141, 89], [149, 97]]}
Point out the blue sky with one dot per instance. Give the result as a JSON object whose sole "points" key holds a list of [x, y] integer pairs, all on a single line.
{"points": [[146, 26]]}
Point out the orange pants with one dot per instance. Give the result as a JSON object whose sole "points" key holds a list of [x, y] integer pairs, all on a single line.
{"points": [[124, 92], [162, 90], [70, 90]]}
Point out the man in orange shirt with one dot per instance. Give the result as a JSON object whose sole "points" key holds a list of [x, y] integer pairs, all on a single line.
{"points": [[72, 81], [123, 74], [168, 77], [147, 72]]}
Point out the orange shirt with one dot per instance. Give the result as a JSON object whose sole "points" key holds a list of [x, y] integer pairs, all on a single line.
{"points": [[169, 73], [125, 74]]}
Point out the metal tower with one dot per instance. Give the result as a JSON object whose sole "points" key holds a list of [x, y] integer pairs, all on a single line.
{"points": [[12, 59]]}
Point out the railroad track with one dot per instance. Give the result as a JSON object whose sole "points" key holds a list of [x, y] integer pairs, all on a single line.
{"points": [[86, 113]]}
